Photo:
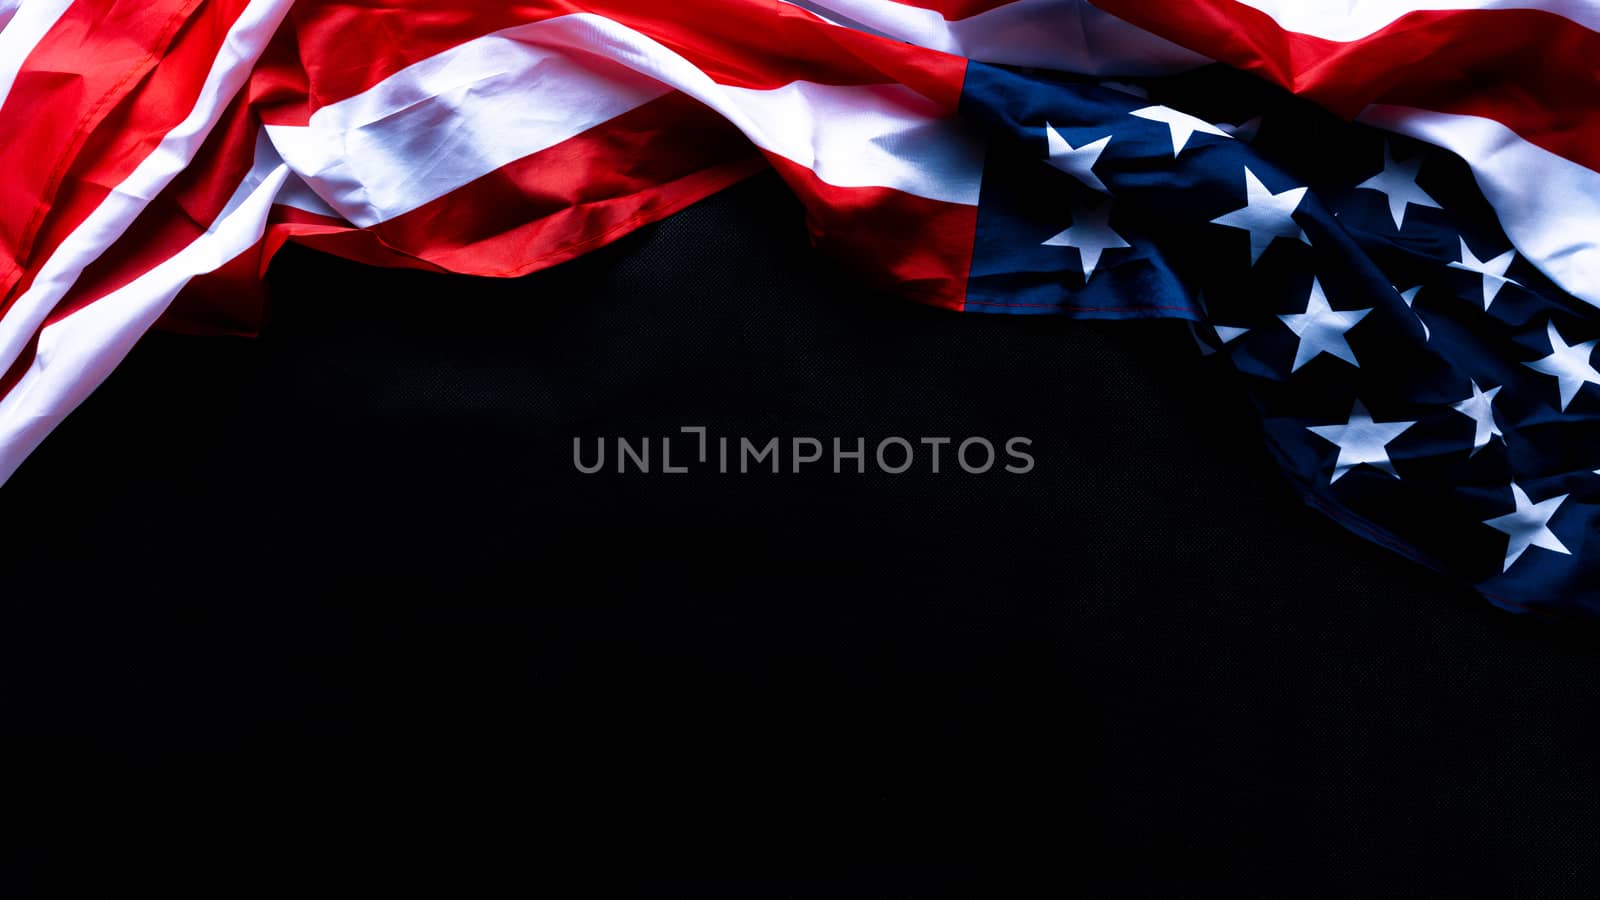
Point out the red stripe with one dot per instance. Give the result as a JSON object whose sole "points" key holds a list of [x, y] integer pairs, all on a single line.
{"points": [[735, 42], [136, 71], [638, 168], [1533, 71], [335, 237], [550, 207], [173, 220], [553, 205], [231, 301], [910, 246], [176, 217], [544, 209]]}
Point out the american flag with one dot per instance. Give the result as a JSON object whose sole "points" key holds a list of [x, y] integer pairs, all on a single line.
{"points": [[1384, 214]]}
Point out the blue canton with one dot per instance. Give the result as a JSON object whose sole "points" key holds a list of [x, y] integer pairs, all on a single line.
{"points": [[1416, 378]]}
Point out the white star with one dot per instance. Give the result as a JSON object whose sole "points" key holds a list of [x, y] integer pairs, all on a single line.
{"points": [[1079, 162], [1091, 234], [1182, 125], [1321, 329], [1569, 364], [1529, 526], [1493, 271], [1361, 441], [1480, 409], [1267, 216], [1410, 297], [1399, 182]]}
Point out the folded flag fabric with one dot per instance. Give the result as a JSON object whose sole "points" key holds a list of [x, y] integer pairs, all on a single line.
{"points": [[1385, 216]]}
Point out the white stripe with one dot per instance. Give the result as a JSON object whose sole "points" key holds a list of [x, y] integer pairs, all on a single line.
{"points": [[1065, 35], [863, 136], [901, 139], [452, 118], [76, 353], [298, 195], [443, 122], [25, 26], [1351, 20], [243, 43], [1548, 205]]}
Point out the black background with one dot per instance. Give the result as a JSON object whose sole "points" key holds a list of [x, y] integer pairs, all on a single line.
{"points": [[331, 612]]}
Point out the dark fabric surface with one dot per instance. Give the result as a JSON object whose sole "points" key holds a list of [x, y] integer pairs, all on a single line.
{"points": [[332, 613]]}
